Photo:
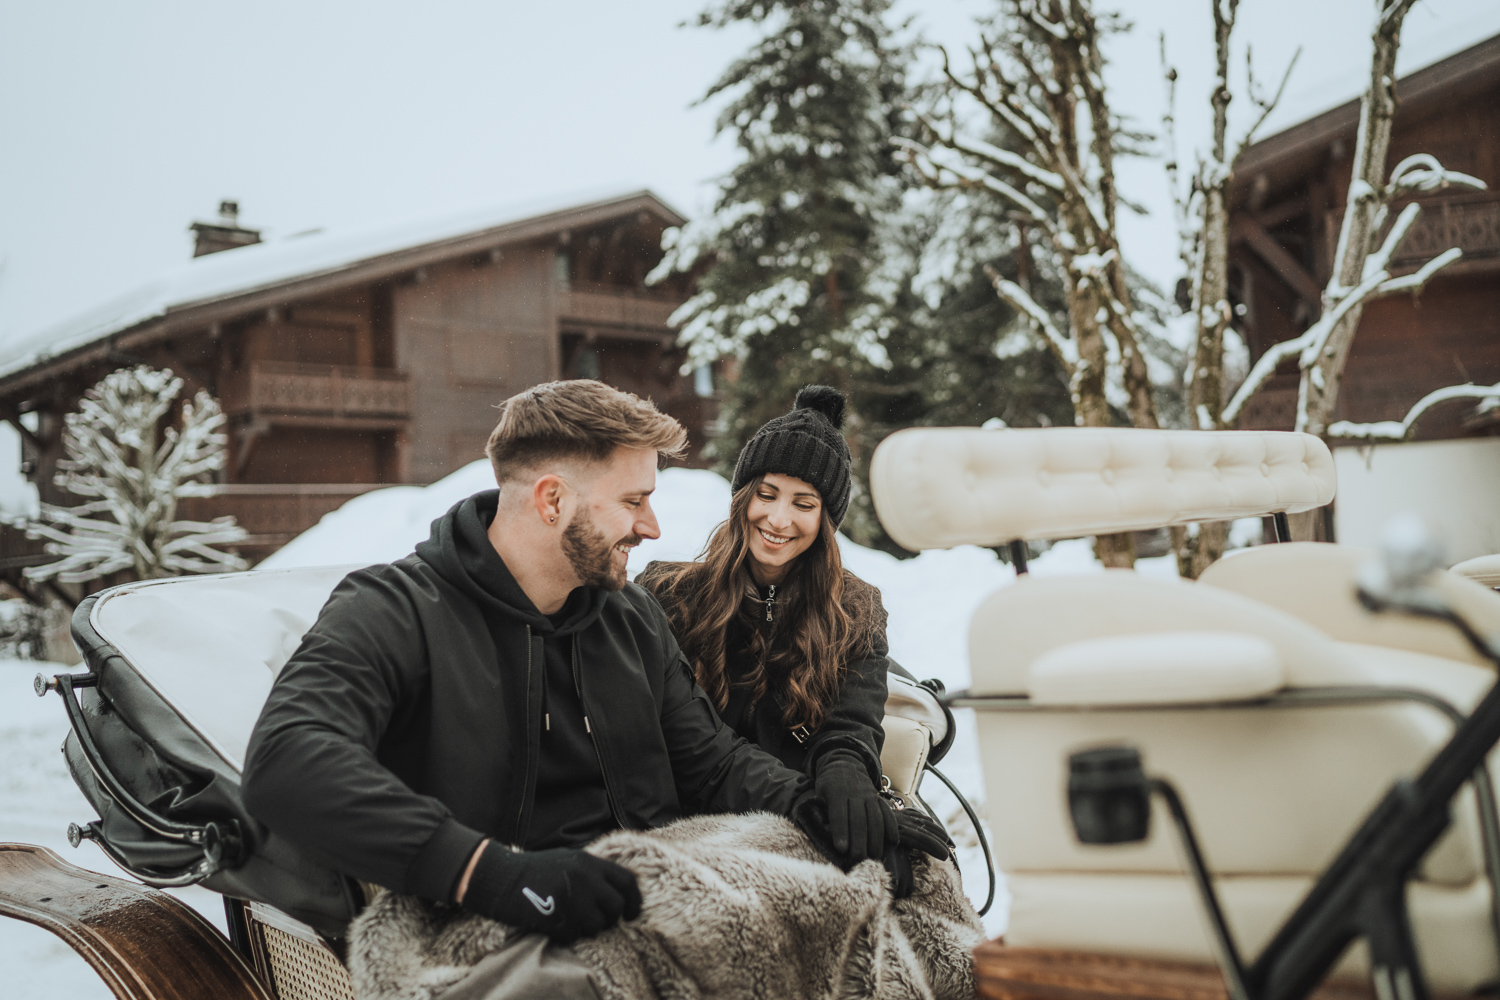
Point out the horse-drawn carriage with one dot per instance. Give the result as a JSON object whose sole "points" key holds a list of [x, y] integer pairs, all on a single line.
{"points": [[1315, 740]]}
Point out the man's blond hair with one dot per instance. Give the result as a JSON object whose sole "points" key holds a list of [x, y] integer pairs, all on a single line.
{"points": [[578, 419]]}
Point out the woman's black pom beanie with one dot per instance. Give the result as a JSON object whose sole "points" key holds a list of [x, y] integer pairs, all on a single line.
{"points": [[807, 444]]}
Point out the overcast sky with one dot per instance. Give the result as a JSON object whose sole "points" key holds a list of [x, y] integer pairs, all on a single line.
{"points": [[122, 123]]}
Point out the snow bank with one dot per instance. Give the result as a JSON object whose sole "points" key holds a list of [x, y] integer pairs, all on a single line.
{"points": [[37, 802]]}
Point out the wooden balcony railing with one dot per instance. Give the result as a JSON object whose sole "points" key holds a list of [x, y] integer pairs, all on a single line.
{"points": [[609, 308], [273, 513], [278, 387]]}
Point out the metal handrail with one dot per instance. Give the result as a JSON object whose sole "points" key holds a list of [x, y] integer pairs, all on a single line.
{"points": [[220, 843]]}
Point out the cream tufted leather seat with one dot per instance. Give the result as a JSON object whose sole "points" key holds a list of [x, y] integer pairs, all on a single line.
{"points": [[1198, 677], [1316, 582], [1483, 570]]}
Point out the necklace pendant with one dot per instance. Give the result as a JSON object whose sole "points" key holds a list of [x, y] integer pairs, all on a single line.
{"points": [[770, 600]]}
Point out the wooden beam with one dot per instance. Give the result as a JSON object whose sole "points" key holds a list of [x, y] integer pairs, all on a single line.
{"points": [[1246, 230], [1282, 211]]}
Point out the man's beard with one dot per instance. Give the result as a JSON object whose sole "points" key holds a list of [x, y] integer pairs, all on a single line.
{"points": [[592, 555]]}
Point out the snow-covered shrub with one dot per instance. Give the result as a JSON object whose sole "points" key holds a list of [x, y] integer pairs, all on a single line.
{"points": [[23, 631], [131, 473]]}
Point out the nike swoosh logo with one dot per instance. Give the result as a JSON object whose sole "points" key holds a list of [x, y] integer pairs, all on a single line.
{"points": [[546, 907]]}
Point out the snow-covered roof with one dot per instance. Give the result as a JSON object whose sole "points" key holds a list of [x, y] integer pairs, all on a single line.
{"points": [[1311, 113], [233, 274]]}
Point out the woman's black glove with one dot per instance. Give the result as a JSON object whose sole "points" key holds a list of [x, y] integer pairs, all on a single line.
{"points": [[563, 893], [921, 832], [861, 824]]}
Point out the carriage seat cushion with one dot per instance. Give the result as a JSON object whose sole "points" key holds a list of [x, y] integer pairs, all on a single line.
{"points": [[1159, 668], [211, 647], [1017, 625], [1483, 570], [1315, 581], [904, 753]]}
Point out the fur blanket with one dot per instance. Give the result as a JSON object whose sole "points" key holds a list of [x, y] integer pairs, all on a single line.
{"points": [[736, 908]]}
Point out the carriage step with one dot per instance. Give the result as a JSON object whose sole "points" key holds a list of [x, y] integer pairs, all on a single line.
{"points": [[144, 944], [1048, 974]]}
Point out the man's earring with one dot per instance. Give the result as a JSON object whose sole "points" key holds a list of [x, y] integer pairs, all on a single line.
{"points": [[552, 520]]}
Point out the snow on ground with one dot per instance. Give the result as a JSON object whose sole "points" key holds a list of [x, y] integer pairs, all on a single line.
{"points": [[37, 802], [930, 599]]}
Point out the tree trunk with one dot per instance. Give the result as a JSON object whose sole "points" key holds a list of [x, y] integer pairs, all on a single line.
{"points": [[1201, 548], [1090, 406], [1318, 391]]}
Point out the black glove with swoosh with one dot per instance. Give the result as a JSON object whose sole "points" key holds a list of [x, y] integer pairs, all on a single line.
{"points": [[563, 893]]}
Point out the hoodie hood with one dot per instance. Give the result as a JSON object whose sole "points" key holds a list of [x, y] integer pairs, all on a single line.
{"points": [[459, 550]]}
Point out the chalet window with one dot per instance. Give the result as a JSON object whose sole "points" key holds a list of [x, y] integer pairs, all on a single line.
{"points": [[703, 381], [586, 365]]}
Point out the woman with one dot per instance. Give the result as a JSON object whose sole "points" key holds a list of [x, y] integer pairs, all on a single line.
{"points": [[789, 645]]}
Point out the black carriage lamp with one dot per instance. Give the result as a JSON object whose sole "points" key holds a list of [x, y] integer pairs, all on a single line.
{"points": [[1109, 798]]}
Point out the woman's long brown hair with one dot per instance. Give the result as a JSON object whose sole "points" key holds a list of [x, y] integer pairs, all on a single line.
{"points": [[802, 656]]}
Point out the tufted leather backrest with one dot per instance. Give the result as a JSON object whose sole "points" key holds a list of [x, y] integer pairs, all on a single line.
{"points": [[937, 487]]}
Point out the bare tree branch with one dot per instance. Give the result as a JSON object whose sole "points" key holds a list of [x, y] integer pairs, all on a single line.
{"points": [[1020, 300], [1262, 370], [1400, 430], [976, 177], [1266, 106]]}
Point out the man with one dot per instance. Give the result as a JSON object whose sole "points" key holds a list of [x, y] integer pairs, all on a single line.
{"points": [[456, 725]]}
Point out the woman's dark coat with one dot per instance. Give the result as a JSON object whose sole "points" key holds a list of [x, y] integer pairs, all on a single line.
{"points": [[853, 722]]}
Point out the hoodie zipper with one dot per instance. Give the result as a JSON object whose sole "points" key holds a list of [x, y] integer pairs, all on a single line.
{"points": [[530, 744], [609, 792]]}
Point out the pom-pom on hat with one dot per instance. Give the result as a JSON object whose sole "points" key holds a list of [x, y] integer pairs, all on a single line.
{"points": [[807, 444]]}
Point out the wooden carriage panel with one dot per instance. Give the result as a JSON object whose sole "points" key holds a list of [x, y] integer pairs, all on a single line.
{"points": [[1045, 974], [145, 944]]}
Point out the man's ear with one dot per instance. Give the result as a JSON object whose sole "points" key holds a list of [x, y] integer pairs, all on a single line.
{"points": [[551, 496]]}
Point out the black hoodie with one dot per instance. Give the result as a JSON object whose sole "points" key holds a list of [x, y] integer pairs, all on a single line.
{"points": [[409, 724]]}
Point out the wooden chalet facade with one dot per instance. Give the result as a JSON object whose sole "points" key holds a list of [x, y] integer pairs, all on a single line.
{"points": [[1286, 208], [353, 361]]}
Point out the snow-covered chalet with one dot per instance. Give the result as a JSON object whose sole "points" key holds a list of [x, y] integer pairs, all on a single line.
{"points": [[347, 361]]}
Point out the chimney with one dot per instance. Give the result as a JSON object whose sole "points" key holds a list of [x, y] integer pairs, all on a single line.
{"points": [[225, 234]]}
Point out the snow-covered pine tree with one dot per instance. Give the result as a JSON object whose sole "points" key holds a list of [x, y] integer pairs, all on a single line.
{"points": [[793, 238], [131, 473]]}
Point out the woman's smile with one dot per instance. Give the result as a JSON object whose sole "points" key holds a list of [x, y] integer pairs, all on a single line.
{"points": [[787, 515]]}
